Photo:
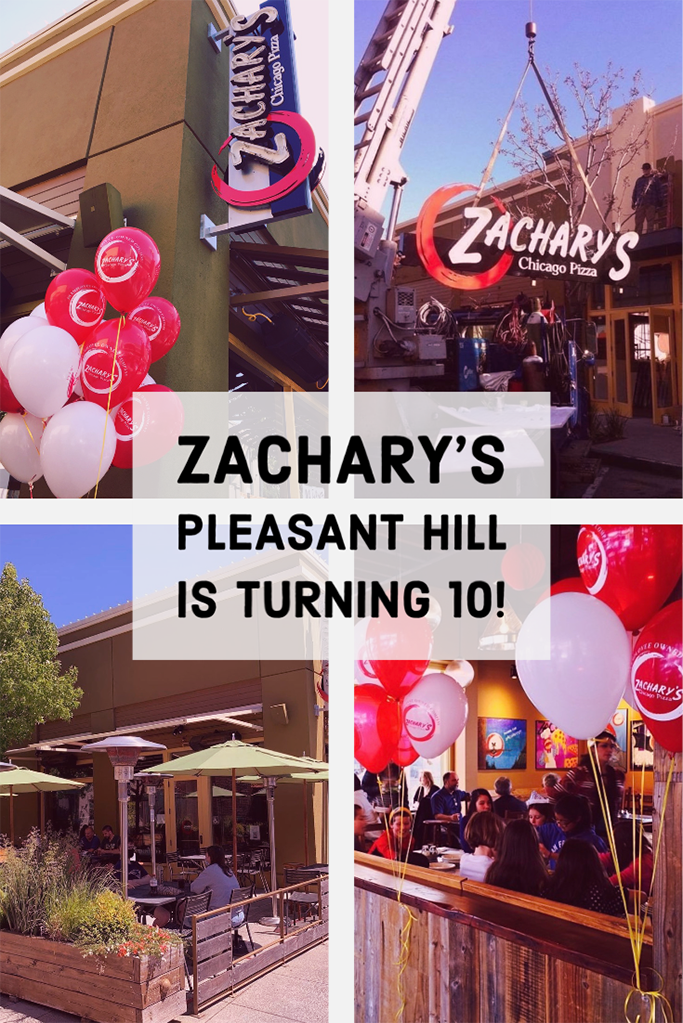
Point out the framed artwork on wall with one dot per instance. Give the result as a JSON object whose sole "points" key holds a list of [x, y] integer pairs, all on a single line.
{"points": [[618, 727], [555, 750], [501, 744], [642, 746]]}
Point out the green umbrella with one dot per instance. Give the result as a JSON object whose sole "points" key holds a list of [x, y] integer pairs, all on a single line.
{"points": [[24, 780], [237, 759]]}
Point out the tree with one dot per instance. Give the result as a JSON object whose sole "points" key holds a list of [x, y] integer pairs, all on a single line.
{"points": [[610, 140], [31, 688]]}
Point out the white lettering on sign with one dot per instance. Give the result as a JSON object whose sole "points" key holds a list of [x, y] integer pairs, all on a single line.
{"points": [[584, 250], [255, 89]]}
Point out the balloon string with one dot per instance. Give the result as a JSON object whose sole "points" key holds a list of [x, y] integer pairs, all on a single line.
{"points": [[122, 320], [33, 440]]}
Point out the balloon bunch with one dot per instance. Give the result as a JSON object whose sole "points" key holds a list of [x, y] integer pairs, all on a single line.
{"points": [[581, 630], [67, 376], [401, 713]]}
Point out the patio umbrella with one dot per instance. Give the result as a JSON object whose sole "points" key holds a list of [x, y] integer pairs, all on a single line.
{"points": [[305, 777], [21, 779], [237, 759]]}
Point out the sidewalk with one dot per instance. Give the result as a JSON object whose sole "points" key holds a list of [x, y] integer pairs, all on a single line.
{"points": [[645, 448], [293, 993]]}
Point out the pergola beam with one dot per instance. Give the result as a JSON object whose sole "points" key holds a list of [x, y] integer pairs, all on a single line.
{"points": [[279, 294], [30, 248]]}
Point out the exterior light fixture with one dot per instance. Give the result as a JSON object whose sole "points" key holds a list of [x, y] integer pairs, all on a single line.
{"points": [[152, 783], [124, 752]]}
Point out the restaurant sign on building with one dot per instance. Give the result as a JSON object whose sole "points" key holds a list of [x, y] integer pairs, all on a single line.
{"points": [[494, 244], [272, 154]]}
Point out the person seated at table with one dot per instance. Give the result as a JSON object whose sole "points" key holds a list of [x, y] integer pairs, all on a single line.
{"points": [[359, 842], [216, 878], [480, 802], [482, 833], [580, 880], [572, 820], [137, 875], [518, 864], [397, 843], [110, 842], [634, 856], [87, 839], [361, 800], [506, 802], [548, 783], [539, 814], [446, 804]]}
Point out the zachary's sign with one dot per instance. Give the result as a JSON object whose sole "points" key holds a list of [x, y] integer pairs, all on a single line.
{"points": [[526, 246]]}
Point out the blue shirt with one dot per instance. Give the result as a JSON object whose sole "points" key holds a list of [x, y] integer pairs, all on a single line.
{"points": [[553, 838], [447, 802]]}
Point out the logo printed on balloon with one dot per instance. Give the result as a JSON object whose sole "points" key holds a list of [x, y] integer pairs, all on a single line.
{"points": [[420, 723], [592, 559], [128, 263], [133, 423], [151, 327], [78, 306], [93, 374], [645, 689]]}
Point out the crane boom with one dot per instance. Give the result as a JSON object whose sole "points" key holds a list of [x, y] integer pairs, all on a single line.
{"points": [[402, 50]]}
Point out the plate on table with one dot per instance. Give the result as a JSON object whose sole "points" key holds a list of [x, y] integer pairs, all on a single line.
{"points": [[442, 866], [454, 855]]}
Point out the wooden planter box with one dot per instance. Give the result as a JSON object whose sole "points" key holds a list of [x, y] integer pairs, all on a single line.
{"points": [[107, 989]]}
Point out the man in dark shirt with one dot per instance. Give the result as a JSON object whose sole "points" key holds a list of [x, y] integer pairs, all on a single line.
{"points": [[446, 802], [110, 841], [506, 802], [88, 841], [647, 198]]}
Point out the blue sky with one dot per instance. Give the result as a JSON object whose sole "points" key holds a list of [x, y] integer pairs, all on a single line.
{"points": [[478, 68], [78, 570]]}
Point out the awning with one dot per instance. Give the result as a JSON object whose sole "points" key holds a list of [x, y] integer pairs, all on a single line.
{"points": [[24, 223]]}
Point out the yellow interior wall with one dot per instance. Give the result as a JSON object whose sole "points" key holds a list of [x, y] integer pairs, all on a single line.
{"points": [[493, 693]]}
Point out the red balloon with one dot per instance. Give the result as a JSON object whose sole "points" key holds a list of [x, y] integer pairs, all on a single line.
{"points": [[146, 427], [8, 403], [127, 263], [632, 569], [161, 323], [573, 585], [398, 650], [74, 301], [97, 359], [657, 676], [404, 752], [523, 566], [376, 726]]}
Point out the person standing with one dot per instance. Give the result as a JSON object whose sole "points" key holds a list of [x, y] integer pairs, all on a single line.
{"points": [[583, 781], [647, 198]]}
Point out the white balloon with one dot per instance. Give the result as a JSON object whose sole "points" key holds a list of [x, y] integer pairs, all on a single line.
{"points": [[461, 671], [72, 446], [146, 382], [39, 311], [20, 438], [13, 333], [580, 685], [42, 368], [434, 713]]}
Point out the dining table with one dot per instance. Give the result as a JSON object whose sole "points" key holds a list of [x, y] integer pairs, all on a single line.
{"points": [[146, 897]]}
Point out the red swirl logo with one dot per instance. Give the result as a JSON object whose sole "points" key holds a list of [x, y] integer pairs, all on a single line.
{"points": [[295, 177], [420, 723]]}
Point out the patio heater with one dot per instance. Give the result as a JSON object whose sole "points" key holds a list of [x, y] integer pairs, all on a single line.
{"points": [[151, 783], [124, 752]]}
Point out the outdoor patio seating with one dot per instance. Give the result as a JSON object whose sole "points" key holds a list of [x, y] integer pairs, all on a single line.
{"points": [[185, 909], [301, 901], [237, 895]]}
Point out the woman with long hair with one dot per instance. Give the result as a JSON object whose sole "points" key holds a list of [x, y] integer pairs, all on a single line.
{"points": [[580, 880], [518, 865], [426, 788], [480, 802]]}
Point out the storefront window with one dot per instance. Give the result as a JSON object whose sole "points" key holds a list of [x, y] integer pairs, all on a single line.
{"points": [[221, 812], [654, 287], [620, 361], [600, 381], [597, 300], [187, 817]]}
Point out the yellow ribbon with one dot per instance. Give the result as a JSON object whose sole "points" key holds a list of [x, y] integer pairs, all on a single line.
{"points": [[636, 930], [122, 320], [252, 316]]}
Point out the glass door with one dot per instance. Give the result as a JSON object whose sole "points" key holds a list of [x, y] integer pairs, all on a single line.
{"points": [[619, 359], [187, 818], [664, 370]]}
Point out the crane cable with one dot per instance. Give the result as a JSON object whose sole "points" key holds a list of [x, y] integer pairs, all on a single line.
{"points": [[531, 63]]}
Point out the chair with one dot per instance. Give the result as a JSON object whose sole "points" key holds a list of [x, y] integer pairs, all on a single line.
{"points": [[237, 895], [185, 909], [301, 900]]}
